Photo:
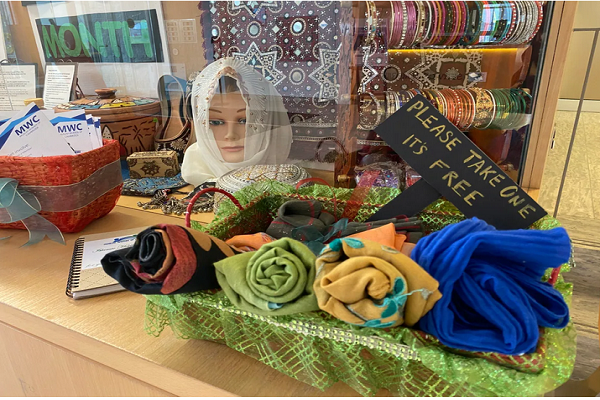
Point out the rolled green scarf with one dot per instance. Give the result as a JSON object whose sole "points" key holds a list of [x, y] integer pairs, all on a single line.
{"points": [[277, 279]]}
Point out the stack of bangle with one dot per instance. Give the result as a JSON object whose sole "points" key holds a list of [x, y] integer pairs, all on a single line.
{"points": [[372, 111], [450, 23], [470, 108], [511, 106], [372, 19], [485, 106]]}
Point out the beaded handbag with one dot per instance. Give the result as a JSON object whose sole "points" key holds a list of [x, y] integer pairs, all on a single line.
{"points": [[320, 350]]}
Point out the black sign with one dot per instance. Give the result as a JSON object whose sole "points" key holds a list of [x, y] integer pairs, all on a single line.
{"points": [[116, 37], [453, 166]]}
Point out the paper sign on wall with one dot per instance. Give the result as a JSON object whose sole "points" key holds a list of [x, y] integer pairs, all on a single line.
{"points": [[59, 85], [17, 83], [451, 165]]}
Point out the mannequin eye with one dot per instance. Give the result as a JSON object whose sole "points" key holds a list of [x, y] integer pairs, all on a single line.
{"points": [[216, 122], [242, 121]]}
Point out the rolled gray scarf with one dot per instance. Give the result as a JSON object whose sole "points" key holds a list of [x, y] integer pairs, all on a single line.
{"points": [[296, 213]]}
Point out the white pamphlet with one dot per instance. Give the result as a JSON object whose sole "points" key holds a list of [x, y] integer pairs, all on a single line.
{"points": [[92, 132], [98, 129], [74, 130], [32, 135]]}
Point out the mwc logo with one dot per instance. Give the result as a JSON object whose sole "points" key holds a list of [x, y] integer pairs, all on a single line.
{"points": [[70, 128], [27, 125]]}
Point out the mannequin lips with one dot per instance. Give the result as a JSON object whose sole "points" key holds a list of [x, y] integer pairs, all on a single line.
{"points": [[232, 149]]}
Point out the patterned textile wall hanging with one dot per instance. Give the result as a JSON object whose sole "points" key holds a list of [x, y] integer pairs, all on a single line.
{"points": [[294, 44]]}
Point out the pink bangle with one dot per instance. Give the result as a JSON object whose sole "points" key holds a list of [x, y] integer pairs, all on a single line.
{"points": [[412, 23], [399, 29], [451, 18]]}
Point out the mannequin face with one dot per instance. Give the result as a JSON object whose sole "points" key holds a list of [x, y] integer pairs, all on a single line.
{"points": [[227, 119]]}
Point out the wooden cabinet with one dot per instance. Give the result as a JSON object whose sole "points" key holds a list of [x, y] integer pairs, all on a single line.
{"points": [[537, 67]]}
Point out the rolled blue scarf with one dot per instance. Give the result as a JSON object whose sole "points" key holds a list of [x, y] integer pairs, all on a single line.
{"points": [[493, 297]]}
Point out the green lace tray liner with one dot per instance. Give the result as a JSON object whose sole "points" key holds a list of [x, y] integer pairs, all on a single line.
{"points": [[532, 363], [320, 350]]}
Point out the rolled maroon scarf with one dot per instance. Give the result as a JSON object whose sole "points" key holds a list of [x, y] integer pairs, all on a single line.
{"points": [[168, 259]]}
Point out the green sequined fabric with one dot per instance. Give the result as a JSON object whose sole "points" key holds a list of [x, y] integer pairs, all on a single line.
{"points": [[320, 350]]}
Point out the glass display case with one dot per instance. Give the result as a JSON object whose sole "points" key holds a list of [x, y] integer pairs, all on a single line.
{"points": [[341, 68], [225, 114]]}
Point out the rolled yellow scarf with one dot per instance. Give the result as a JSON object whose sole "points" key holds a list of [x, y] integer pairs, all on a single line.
{"points": [[368, 284]]}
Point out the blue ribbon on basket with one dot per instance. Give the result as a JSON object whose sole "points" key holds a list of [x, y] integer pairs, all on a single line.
{"points": [[24, 203], [20, 205]]}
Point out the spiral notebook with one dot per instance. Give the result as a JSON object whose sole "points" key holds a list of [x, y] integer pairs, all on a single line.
{"points": [[86, 276]]}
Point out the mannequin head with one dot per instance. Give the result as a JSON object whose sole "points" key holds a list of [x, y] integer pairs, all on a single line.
{"points": [[227, 120], [224, 141]]}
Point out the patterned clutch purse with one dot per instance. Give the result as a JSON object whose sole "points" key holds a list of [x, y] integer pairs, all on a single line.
{"points": [[242, 177]]}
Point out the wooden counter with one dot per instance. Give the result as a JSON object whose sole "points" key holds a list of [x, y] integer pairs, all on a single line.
{"points": [[51, 345]]}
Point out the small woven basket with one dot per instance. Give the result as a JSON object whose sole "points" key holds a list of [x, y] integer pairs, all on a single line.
{"points": [[320, 350], [65, 170]]}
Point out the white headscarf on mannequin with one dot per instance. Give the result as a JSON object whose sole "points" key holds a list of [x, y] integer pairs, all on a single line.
{"points": [[268, 132]]}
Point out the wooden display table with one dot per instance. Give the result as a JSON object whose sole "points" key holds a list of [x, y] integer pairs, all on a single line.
{"points": [[51, 345]]}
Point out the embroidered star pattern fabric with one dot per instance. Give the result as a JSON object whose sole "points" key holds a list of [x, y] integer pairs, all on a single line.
{"points": [[294, 45]]}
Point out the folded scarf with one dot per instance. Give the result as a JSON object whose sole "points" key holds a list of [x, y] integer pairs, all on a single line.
{"points": [[305, 220], [411, 226], [407, 248], [168, 259], [251, 242], [387, 236], [296, 213], [368, 284], [277, 279], [494, 299]]}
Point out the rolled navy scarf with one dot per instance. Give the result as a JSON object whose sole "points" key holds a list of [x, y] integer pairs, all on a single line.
{"points": [[494, 299], [168, 259]]}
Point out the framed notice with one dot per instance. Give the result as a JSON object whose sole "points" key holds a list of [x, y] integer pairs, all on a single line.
{"points": [[18, 82], [59, 85]]}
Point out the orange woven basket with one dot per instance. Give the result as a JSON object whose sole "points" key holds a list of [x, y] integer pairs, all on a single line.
{"points": [[65, 170]]}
